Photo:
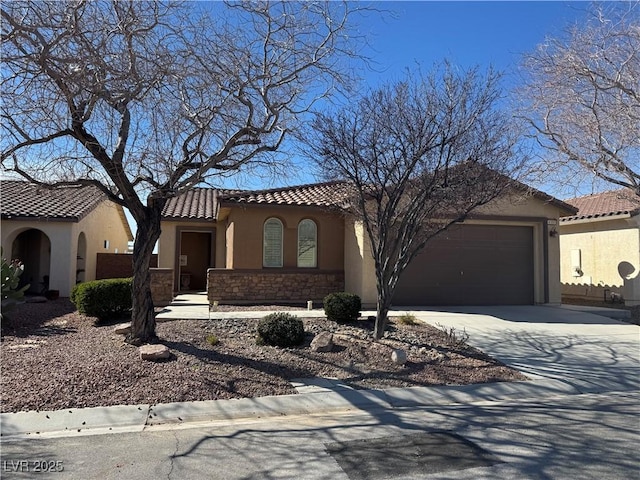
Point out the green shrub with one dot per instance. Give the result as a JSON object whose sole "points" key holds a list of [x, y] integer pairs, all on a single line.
{"points": [[212, 339], [342, 307], [105, 299], [280, 329]]}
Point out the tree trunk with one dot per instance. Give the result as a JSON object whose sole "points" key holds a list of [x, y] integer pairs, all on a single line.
{"points": [[143, 319], [382, 310]]}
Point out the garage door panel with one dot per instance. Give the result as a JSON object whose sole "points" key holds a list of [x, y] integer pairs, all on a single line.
{"points": [[471, 265]]}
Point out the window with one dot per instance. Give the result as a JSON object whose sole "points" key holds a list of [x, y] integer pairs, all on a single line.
{"points": [[307, 244], [272, 243]]}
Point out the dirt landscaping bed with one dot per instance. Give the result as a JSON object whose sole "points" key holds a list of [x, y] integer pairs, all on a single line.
{"points": [[54, 358]]}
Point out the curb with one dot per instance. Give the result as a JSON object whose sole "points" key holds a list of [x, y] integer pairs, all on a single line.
{"points": [[136, 418]]}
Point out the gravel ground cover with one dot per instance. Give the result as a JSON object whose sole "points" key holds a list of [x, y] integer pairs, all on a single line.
{"points": [[55, 358]]}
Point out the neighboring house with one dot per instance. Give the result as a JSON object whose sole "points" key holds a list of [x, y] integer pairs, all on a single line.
{"points": [[600, 247], [294, 244], [58, 233]]}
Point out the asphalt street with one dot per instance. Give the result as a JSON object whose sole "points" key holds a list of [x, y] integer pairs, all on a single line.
{"points": [[588, 436]]}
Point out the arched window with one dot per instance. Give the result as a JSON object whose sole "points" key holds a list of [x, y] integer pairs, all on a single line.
{"points": [[307, 244], [272, 243]]}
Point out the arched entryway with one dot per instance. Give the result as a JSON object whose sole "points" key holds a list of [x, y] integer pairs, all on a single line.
{"points": [[33, 248]]}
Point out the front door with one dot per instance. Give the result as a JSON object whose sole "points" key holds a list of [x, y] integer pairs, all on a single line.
{"points": [[196, 257]]}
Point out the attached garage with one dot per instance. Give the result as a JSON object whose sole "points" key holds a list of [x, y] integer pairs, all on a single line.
{"points": [[472, 264]]}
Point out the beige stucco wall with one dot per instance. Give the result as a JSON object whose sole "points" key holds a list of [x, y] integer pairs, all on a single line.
{"points": [[245, 229], [606, 248], [103, 223], [168, 243], [520, 206], [359, 272]]}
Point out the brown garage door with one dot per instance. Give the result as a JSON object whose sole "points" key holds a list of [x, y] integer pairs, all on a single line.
{"points": [[471, 265]]}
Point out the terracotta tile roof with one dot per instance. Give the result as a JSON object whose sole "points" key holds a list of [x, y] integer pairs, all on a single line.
{"points": [[195, 204], [203, 203], [329, 194], [605, 204], [22, 200]]}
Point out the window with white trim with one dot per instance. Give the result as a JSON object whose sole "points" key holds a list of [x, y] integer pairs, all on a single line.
{"points": [[272, 243], [307, 244]]}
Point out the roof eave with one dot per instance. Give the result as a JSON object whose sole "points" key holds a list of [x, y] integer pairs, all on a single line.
{"points": [[169, 218], [596, 218], [26, 218]]}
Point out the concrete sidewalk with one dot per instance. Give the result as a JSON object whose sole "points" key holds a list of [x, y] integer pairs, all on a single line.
{"points": [[135, 418], [562, 351]]}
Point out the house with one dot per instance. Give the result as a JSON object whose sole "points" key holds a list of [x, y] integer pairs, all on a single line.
{"points": [[294, 244], [58, 233], [600, 247]]}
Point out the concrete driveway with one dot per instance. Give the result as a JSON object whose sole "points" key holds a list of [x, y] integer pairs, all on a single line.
{"points": [[590, 352]]}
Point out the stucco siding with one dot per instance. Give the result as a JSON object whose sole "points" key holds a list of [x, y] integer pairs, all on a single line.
{"points": [[171, 238], [245, 232], [524, 205], [605, 253], [168, 243], [360, 273], [102, 224]]}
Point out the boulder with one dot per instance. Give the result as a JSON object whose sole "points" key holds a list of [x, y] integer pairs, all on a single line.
{"points": [[322, 342], [122, 328], [399, 356], [154, 352]]}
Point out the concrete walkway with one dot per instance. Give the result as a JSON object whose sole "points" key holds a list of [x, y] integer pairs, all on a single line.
{"points": [[563, 351], [196, 306]]}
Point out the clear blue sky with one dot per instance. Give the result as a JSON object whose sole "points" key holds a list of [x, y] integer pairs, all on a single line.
{"points": [[466, 33]]}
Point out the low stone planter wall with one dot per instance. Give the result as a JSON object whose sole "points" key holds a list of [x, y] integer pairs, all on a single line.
{"points": [[281, 286], [161, 286]]}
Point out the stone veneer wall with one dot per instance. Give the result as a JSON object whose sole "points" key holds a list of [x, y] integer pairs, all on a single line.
{"points": [[282, 286], [161, 286]]}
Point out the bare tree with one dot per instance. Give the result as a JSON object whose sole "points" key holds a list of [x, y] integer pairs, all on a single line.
{"points": [[421, 155], [147, 99], [581, 96]]}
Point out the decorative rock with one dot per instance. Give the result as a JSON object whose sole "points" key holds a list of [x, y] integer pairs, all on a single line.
{"points": [[122, 328], [154, 352], [322, 342], [399, 356]]}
